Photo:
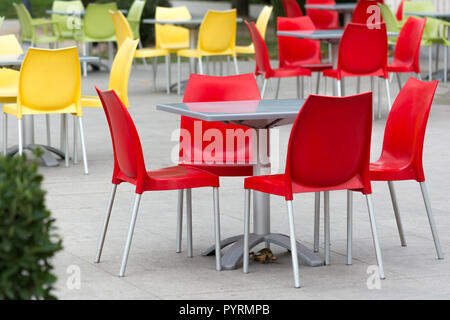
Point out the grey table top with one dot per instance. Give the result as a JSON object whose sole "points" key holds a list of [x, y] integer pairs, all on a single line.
{"points": [[16, 60], [437, 15], [332, 34], [191, 22], [251, 113], [74, 12], [333, 7]]}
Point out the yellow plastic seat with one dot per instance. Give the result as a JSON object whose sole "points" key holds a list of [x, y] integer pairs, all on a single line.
{"points": [[49, 83], [170, 37], [118, 78], [216, 37], [123, 32], [261, 25], [9, 78]]}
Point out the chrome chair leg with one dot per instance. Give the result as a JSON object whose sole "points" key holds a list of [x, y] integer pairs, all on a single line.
{"points": [[326, 199], [155, 71], [179, 221], [398, 219], [318, 84], [200, 65], [278, 88], [236, 66], [358, 84], [217, 228], [126, 251], [66, 156], [105, 223], [178, 75], [263, 90], [167, 74], [246, 230], [388, 93], [339, 88], [19, 125], [349, 226], [375, 235], [75, 140], [83, 145], [316, 221], [189, 222], [292, 237], [47, 123], [426, 199]]}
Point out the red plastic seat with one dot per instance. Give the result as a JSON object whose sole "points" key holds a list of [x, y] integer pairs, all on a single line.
{"points": [[323, 19], [407, 49], [302, 53], [401, 157], [399, 12], [362, 13], [292, 9], [263, 67], [329, 149], [362, 53], [129, 166]]}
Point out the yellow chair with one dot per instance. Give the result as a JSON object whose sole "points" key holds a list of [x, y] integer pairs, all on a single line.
{"points": [[170, 37], [216, 37], [49, 83], [261, 25], [123, 31]]}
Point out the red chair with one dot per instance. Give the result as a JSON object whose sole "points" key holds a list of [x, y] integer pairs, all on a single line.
{"points": [[323, 19], [399, 12], [401, 157], [263, 67], [129, 166], [407, 49], [362, 12], [300, 53], [201, 88], [291, 8], [329, 149], [362, 53]]}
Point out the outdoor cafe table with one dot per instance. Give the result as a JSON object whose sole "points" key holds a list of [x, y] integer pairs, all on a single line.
{"points": [[192, 25], [74, 12], [260, 115], [28, 143], [345, 8]]}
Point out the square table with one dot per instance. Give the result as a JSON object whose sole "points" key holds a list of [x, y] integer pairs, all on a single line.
{"points": [[260, 115], [345, 8]]}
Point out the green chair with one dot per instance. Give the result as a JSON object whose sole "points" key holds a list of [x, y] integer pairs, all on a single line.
{"points": [[97, 27], [431, 34], [1, 20], [392, 24], [67, 23], [28, 27], [134, 17]]}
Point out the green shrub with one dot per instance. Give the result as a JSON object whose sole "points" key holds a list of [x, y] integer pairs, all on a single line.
{"points": [[27, 238]]}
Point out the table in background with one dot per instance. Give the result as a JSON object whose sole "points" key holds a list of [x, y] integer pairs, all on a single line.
{"points": [[345, 8], [260, 115]]}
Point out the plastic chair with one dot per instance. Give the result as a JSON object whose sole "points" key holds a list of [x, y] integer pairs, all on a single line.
{"points": [[401, 156], [216, 37], [362, 53], [392, 24], [134, 17], [97, 27], [1, 20], [261, 24], [28, 27], [263, 67], [9, 78], [399, 12], [123, 32], [362, 12], [291, 8], [323, 19], [407, 50], [49, 83], [301, 53], [431, 33], [64, 31], [129, 166], [329, 149]]}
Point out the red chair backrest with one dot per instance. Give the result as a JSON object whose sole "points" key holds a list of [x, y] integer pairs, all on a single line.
{"points": [[399, 12], [261, 54], [291, 8], [323, 19], [407, 122], [292, 50], [330, 142], [407, 48], [363, 50], [202, 88], [128, 157], [362, 12]]}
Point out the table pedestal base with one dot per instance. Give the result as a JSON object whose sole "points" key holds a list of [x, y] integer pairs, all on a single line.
{"points": [[233, 257], [47, 157]]}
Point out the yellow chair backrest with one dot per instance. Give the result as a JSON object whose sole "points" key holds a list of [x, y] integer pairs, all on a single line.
{"points": [[218, 32], [10, 45], [170, 36], [263, 20], [50, 82], [122, 27], [120, 70]]}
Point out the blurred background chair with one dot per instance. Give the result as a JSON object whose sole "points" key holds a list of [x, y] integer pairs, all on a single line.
{"points": [[291, 8], [67, 23], [323, 19], [261, 24], [134, 17]]}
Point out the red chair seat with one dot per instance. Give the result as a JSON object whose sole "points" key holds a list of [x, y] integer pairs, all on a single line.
{"points": [[400, 66], [391, 169], [226, 170], [317, 67], [286, 72], [332, 73]]}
